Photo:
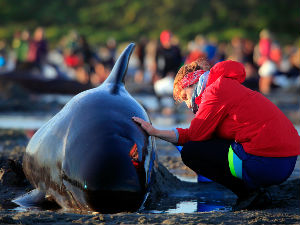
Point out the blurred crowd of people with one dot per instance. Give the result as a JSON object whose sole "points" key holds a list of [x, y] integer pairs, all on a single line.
{"points": [[28, 52], [154, 62]]}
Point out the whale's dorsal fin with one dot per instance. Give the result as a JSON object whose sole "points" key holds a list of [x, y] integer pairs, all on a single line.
{"points": [[117, 75]]}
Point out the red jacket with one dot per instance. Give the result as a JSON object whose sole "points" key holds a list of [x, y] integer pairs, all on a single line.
{"points": [[231, 111]]}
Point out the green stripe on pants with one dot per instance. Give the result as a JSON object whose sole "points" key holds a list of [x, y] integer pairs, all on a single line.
{"points": [[230, 160]]}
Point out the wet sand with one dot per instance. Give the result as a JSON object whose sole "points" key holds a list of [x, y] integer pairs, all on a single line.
{"points": [[284, 210]]}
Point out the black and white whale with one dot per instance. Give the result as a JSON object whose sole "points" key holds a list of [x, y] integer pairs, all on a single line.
{"points": [[91, 156]]}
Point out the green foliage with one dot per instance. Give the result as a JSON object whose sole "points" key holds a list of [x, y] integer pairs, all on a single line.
{"points": [[128, 20]]}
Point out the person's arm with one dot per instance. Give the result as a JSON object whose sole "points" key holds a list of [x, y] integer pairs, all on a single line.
{"points": [[167, 135], [212, 110]]}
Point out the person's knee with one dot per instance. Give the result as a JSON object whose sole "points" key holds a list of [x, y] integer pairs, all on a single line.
{"points": [[187, 153]]}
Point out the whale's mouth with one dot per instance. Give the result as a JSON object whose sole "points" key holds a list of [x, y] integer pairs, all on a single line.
{"points": [[115, 201]]}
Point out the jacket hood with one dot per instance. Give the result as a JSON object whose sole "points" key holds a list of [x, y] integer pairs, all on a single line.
{"points": [[230, 69]]}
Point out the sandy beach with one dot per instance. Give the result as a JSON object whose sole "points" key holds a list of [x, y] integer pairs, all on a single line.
{"points": [[285, 208]]}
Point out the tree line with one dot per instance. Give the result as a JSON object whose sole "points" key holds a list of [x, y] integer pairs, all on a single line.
{"points": [[128, 20]]}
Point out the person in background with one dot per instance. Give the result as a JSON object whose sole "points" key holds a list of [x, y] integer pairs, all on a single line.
{"points": [[235, 50], [87, 60], [168, 60], [252, 77], [265, 60], [38, 49], [211, 50], [194, 53], [294, 59], [107, 57], [168, 56], [141, 51], [84, 51], [238, 137], [111, 45], [101, 73], [22, 50], [3, 55]]}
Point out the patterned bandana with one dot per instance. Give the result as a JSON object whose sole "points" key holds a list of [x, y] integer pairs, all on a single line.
{"points": [[191, 78], [199, 89]]}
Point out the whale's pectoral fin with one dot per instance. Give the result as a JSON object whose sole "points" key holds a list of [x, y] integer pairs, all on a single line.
{"points": [[35, 198], [32, 198]]}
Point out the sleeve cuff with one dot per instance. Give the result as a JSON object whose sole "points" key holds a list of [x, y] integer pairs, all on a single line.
{"points": [[176, 133]]}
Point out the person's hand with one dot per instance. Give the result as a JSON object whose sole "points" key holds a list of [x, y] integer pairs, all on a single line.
{"points": [[167, 135], [150, 130]]}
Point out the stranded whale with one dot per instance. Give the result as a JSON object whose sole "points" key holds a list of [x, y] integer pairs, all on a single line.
{"points": [[91, 156]]}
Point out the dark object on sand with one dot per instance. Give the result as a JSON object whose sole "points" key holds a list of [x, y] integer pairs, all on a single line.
{"points": [[91, 156], [39, 84]]}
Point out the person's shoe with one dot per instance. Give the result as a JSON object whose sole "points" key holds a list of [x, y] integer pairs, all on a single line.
{"points": [[255, 200]]}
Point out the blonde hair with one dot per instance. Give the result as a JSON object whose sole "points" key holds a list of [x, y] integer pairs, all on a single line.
{"points": [[200, 64]]}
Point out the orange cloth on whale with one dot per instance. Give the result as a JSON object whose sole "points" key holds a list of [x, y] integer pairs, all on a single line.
{"points": [[231, 111]]}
